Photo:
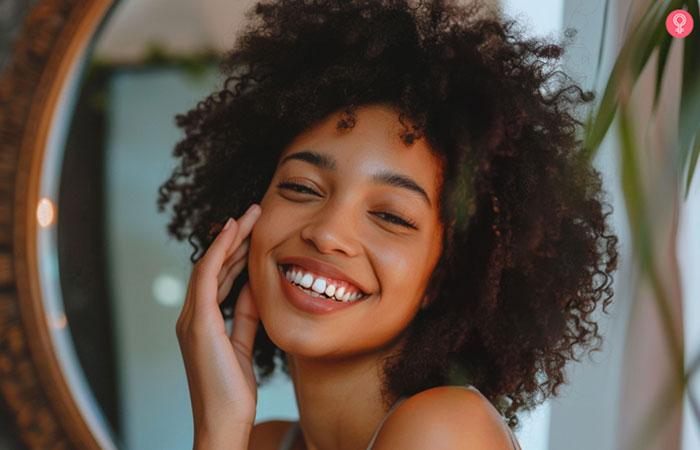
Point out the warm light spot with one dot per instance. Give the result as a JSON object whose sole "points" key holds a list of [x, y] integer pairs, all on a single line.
{"points": [[168, 290], [45, 212]]}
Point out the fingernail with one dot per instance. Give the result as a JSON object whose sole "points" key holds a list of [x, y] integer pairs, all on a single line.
{"points": [[228, 223], [252, 207]]}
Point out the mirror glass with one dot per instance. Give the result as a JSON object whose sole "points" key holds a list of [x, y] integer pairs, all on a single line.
{"points": [[122, 280]]}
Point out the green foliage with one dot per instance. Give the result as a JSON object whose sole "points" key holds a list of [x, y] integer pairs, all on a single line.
{"points": [[639, 45]]}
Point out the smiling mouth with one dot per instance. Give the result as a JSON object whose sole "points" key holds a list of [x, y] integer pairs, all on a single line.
{"points": [[319, 286]]}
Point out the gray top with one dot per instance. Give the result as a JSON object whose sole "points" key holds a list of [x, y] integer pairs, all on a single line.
{"points": [[294, 430]]}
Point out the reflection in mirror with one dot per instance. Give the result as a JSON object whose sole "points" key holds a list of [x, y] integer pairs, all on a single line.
{"points": [[122, 280]]}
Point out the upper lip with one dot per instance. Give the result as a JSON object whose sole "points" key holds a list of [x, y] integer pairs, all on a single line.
{"points": [[321, 268]]}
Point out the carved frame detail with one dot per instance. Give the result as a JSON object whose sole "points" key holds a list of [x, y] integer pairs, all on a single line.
{"points": [[32, 383]]}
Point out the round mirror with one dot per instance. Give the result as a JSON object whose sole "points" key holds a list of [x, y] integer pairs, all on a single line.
{"points": [[122, 280], [103, 272]]}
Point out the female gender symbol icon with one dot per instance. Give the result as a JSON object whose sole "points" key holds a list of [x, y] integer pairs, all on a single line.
{"points": [[678, 20], [679, 23]]}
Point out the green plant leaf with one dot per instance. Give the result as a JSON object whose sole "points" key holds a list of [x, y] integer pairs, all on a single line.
{"points": [[689, 115], [666, 402], [664, 48], [692, 164], [633, 189], [631, 60], [640, 226], [693, 367], [601, 45], [642, 240]]}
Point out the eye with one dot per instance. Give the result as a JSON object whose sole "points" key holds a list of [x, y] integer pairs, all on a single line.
{"points": [[388, 217], [297, 188], [391, 218]]}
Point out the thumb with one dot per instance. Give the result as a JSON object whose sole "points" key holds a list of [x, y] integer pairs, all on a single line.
{"points": [[245, 322]]}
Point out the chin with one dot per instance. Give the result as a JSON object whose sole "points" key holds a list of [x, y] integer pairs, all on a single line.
{"points": [[301, 341], [297, 334]]}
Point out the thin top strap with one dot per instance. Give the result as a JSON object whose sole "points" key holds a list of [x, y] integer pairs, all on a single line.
{"points": [[294, 429], [292, 432], [379, 427], [289, 436], [513, 440]]}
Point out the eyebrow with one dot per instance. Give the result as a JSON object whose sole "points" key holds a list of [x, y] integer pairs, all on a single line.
{"points": [[386, 177]]}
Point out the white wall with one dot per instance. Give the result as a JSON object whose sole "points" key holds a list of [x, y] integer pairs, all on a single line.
{"points": [[585, 415], [689, 259]]}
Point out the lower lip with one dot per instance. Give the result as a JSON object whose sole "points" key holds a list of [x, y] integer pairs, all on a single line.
{"points": [[309, 303]]}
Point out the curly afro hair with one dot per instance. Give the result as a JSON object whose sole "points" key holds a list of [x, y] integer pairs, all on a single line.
{"points": [[528, 255]]}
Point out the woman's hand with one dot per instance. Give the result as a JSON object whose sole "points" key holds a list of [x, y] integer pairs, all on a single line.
{"points": [[219, 368]]}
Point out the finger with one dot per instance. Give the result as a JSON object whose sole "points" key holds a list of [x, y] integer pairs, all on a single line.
{"points": [[239, 254], [215, 255], [227, 282], [185, 313], [245, 225], [187, 306], [210, 265], [245, 323]]}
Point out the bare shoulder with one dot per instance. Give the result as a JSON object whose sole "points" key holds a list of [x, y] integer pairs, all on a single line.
{"points": [[445, 417], [268, 435]]}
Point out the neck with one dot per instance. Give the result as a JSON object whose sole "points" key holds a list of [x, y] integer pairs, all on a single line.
{"points": [[340, 402]]}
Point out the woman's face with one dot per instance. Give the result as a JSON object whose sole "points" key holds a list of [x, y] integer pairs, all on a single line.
{"points": [[339, 208]]}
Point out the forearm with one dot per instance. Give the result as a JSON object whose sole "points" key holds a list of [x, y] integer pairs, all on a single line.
{"points": [[223, 438]]}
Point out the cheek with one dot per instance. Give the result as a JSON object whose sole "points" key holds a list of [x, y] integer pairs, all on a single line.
{"points": [[261, 234], [267, 229], [268, 233], [404, 270], [262, 241], [400, 271]]}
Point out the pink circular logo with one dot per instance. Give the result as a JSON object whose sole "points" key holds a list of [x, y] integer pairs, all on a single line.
{"points": [[679, 23]]}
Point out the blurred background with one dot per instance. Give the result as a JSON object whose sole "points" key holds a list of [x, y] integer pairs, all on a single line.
{"points": [[120, 281]]}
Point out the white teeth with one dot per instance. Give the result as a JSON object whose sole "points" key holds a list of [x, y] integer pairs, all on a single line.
{"points": [[307, 280], [319, 285]]}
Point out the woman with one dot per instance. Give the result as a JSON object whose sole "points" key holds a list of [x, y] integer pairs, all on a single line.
{"points": [[426, 244]]}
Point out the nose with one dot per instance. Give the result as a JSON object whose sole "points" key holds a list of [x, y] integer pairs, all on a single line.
{"points": [[332, 230]]}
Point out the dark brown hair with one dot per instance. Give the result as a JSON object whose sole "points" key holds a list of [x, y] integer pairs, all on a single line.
{"points": [[528, 255]]}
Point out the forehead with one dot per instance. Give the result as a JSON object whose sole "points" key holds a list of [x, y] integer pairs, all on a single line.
{"points": [[373, 144]]}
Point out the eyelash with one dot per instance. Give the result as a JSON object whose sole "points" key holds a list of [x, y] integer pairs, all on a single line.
{"points": [[392, 218]]}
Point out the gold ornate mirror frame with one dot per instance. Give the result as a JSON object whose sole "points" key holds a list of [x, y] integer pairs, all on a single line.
{"points": [[35, 388]]}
